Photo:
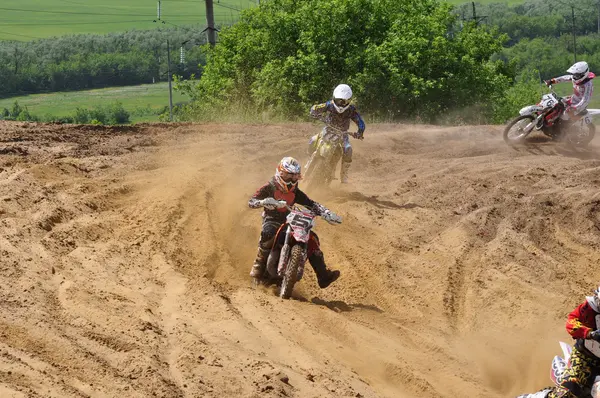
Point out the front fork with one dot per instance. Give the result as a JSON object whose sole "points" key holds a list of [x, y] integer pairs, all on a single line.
{"points": [[285, 256], [285, 252], [536, 123]]}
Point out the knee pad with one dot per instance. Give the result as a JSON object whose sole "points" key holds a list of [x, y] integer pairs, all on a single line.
{"points": [[267, 235]]}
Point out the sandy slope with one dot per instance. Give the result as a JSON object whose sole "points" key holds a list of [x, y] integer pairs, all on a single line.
{"points": [[124, 256]]}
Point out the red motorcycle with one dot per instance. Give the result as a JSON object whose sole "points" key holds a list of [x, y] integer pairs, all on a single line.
{"points": [[285, 264]]}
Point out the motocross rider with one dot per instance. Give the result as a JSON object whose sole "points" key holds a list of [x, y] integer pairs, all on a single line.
{"points": [[282, 191], [338, 112], [581, 77], [583, 324]]}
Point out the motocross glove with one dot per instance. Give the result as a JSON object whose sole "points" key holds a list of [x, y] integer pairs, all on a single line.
{"points": [[331, 217], [358, 136], [272, 203], [594, 335]]}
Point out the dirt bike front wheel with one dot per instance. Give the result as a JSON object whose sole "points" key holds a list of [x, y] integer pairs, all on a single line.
{"points": [[515, 133], [318, 175], [291, 272]]}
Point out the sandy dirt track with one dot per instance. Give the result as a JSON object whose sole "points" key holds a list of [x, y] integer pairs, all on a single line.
{"points": [[125, 252]]}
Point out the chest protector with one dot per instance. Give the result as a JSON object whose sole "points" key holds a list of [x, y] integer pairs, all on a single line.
{"points": [[289, 198], [593, 345]]}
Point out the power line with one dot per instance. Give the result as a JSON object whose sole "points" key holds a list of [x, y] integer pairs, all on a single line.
{"points": [[100, 5], [69, 23], [231, 8], [16, 34], [91, 13], [571, 6]]}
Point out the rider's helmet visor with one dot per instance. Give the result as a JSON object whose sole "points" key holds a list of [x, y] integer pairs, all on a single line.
{"points": [[341, 102], [290, 177]]}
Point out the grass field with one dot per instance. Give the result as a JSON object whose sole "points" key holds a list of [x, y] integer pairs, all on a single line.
{"points": [[26, 20], [141, 101], [511, 2]]}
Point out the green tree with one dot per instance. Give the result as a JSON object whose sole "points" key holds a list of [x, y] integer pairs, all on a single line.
{"points": [[404, 58]]}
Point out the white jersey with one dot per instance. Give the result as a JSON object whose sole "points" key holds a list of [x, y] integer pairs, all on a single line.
{"points": [[582, 93]]}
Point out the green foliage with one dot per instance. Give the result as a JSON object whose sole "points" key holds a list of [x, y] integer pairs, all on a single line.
{"points": [[546, 55], [110, 114], [17, 112], [88, 61], [144, 102], [525, 91], [403, 58], [535, 18]]}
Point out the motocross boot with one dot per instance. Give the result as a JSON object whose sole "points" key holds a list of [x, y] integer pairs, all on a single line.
{"points": [[325, 277], [258, 268], [344, 172]]}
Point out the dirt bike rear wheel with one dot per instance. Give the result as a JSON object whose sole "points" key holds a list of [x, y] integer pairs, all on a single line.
{"points": [[581, 139], [291, 272], [518, 122]]}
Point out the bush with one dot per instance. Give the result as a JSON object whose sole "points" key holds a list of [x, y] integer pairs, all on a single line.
{"points": [[111, 114], [403, 59], [117, 114], [17, 112], [525, 91]]}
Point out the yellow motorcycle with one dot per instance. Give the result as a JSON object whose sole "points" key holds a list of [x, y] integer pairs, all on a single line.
{"points": [[320, 168]]}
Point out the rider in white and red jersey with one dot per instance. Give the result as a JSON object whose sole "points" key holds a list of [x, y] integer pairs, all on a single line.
{"points": [[580, 75]]}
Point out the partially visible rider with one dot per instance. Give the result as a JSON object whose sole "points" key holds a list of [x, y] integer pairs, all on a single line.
{"points": [[275, 196], [581, 77], [338, 112], [582, 324]]}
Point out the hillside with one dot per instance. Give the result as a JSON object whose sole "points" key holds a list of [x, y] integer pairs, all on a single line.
{"points": [[25, 20]]}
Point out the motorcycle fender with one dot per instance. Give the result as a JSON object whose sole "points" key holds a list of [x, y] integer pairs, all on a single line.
{"points": [[557, 372], [528, 110], [566, 349]]}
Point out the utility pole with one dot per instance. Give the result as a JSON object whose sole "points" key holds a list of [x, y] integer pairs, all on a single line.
{"points": [[475, 18], [168, 64], [574, 37], [210, 21], [170, 86]]}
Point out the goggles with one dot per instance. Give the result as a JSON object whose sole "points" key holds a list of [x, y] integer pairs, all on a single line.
{"points": [[290, 177], [341, 102]]}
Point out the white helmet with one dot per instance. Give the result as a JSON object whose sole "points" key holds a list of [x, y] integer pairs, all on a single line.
{"points": [[341, 97], [287, 174], [580, 71]]}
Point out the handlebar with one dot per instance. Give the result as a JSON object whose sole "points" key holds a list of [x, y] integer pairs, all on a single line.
{"points": [[297, 208], [354, 135]]}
